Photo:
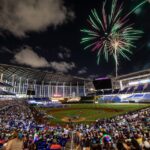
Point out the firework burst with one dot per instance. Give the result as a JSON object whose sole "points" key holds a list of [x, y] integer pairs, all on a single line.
{"points": [[109, 33]]}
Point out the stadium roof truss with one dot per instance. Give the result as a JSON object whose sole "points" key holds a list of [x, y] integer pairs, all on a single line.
{"points": [[135, 75], [39, 76]]}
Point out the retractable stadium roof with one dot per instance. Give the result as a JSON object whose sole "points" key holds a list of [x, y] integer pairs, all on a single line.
{"points": [[37, 75]]}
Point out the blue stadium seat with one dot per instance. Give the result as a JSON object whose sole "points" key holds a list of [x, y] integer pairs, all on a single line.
{"points": [[112, 99], [37, 98], [107, 92], [147, 96], [139, 89], [45, 99], [138, 95], [117, 99], [106, 98], [115, 91], [131, 89], [124, 90]]}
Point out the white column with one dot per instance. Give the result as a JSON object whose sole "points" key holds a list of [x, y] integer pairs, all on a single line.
{"points": [[52, 93], [84, 89], [63, 89], [56, 88], [35, 88], [23, 91], [77, 89], [42, 89], [15, 87], [12, 82], [50, 90], [34, 84], [1, 77], [13, 78], [70, 89], [19, 91], [121, 86], [27, 85]]}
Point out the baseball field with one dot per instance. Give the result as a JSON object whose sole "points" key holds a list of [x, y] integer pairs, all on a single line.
{"points": [[88, 113]]}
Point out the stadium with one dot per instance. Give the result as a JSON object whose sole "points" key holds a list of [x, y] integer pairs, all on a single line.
{"points": [[19, 82], [55, 98], [71, 84]]}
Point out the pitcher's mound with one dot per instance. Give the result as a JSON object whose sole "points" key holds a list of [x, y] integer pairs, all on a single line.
{"points": [[68, 119]]}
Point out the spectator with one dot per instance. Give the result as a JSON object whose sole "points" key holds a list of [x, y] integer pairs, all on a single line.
{"points": [[16, 143], [55, 145], [124, 132]]}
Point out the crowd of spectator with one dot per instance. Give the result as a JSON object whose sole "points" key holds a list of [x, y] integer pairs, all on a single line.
{"points": [[125, 132], [19, 130]]}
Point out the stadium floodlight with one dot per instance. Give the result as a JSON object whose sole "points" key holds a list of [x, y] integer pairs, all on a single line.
{"points": [[139, 82], [57, 95], [134, 83], [145, 81], [92, 89]]}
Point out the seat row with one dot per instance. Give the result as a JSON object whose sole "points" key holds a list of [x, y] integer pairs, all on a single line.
{"points": [[127, 90]]}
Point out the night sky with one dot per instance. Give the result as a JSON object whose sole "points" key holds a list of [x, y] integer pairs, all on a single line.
{"points": [[45, 34]]}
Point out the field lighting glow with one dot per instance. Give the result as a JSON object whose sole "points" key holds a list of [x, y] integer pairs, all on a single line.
{"points": [[139, 82]]}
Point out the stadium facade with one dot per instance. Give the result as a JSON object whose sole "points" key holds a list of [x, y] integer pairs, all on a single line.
{"points": [[24, 81]]}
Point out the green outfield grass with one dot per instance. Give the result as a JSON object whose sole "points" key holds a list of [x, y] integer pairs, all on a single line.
{"points": [[88, 113]]}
